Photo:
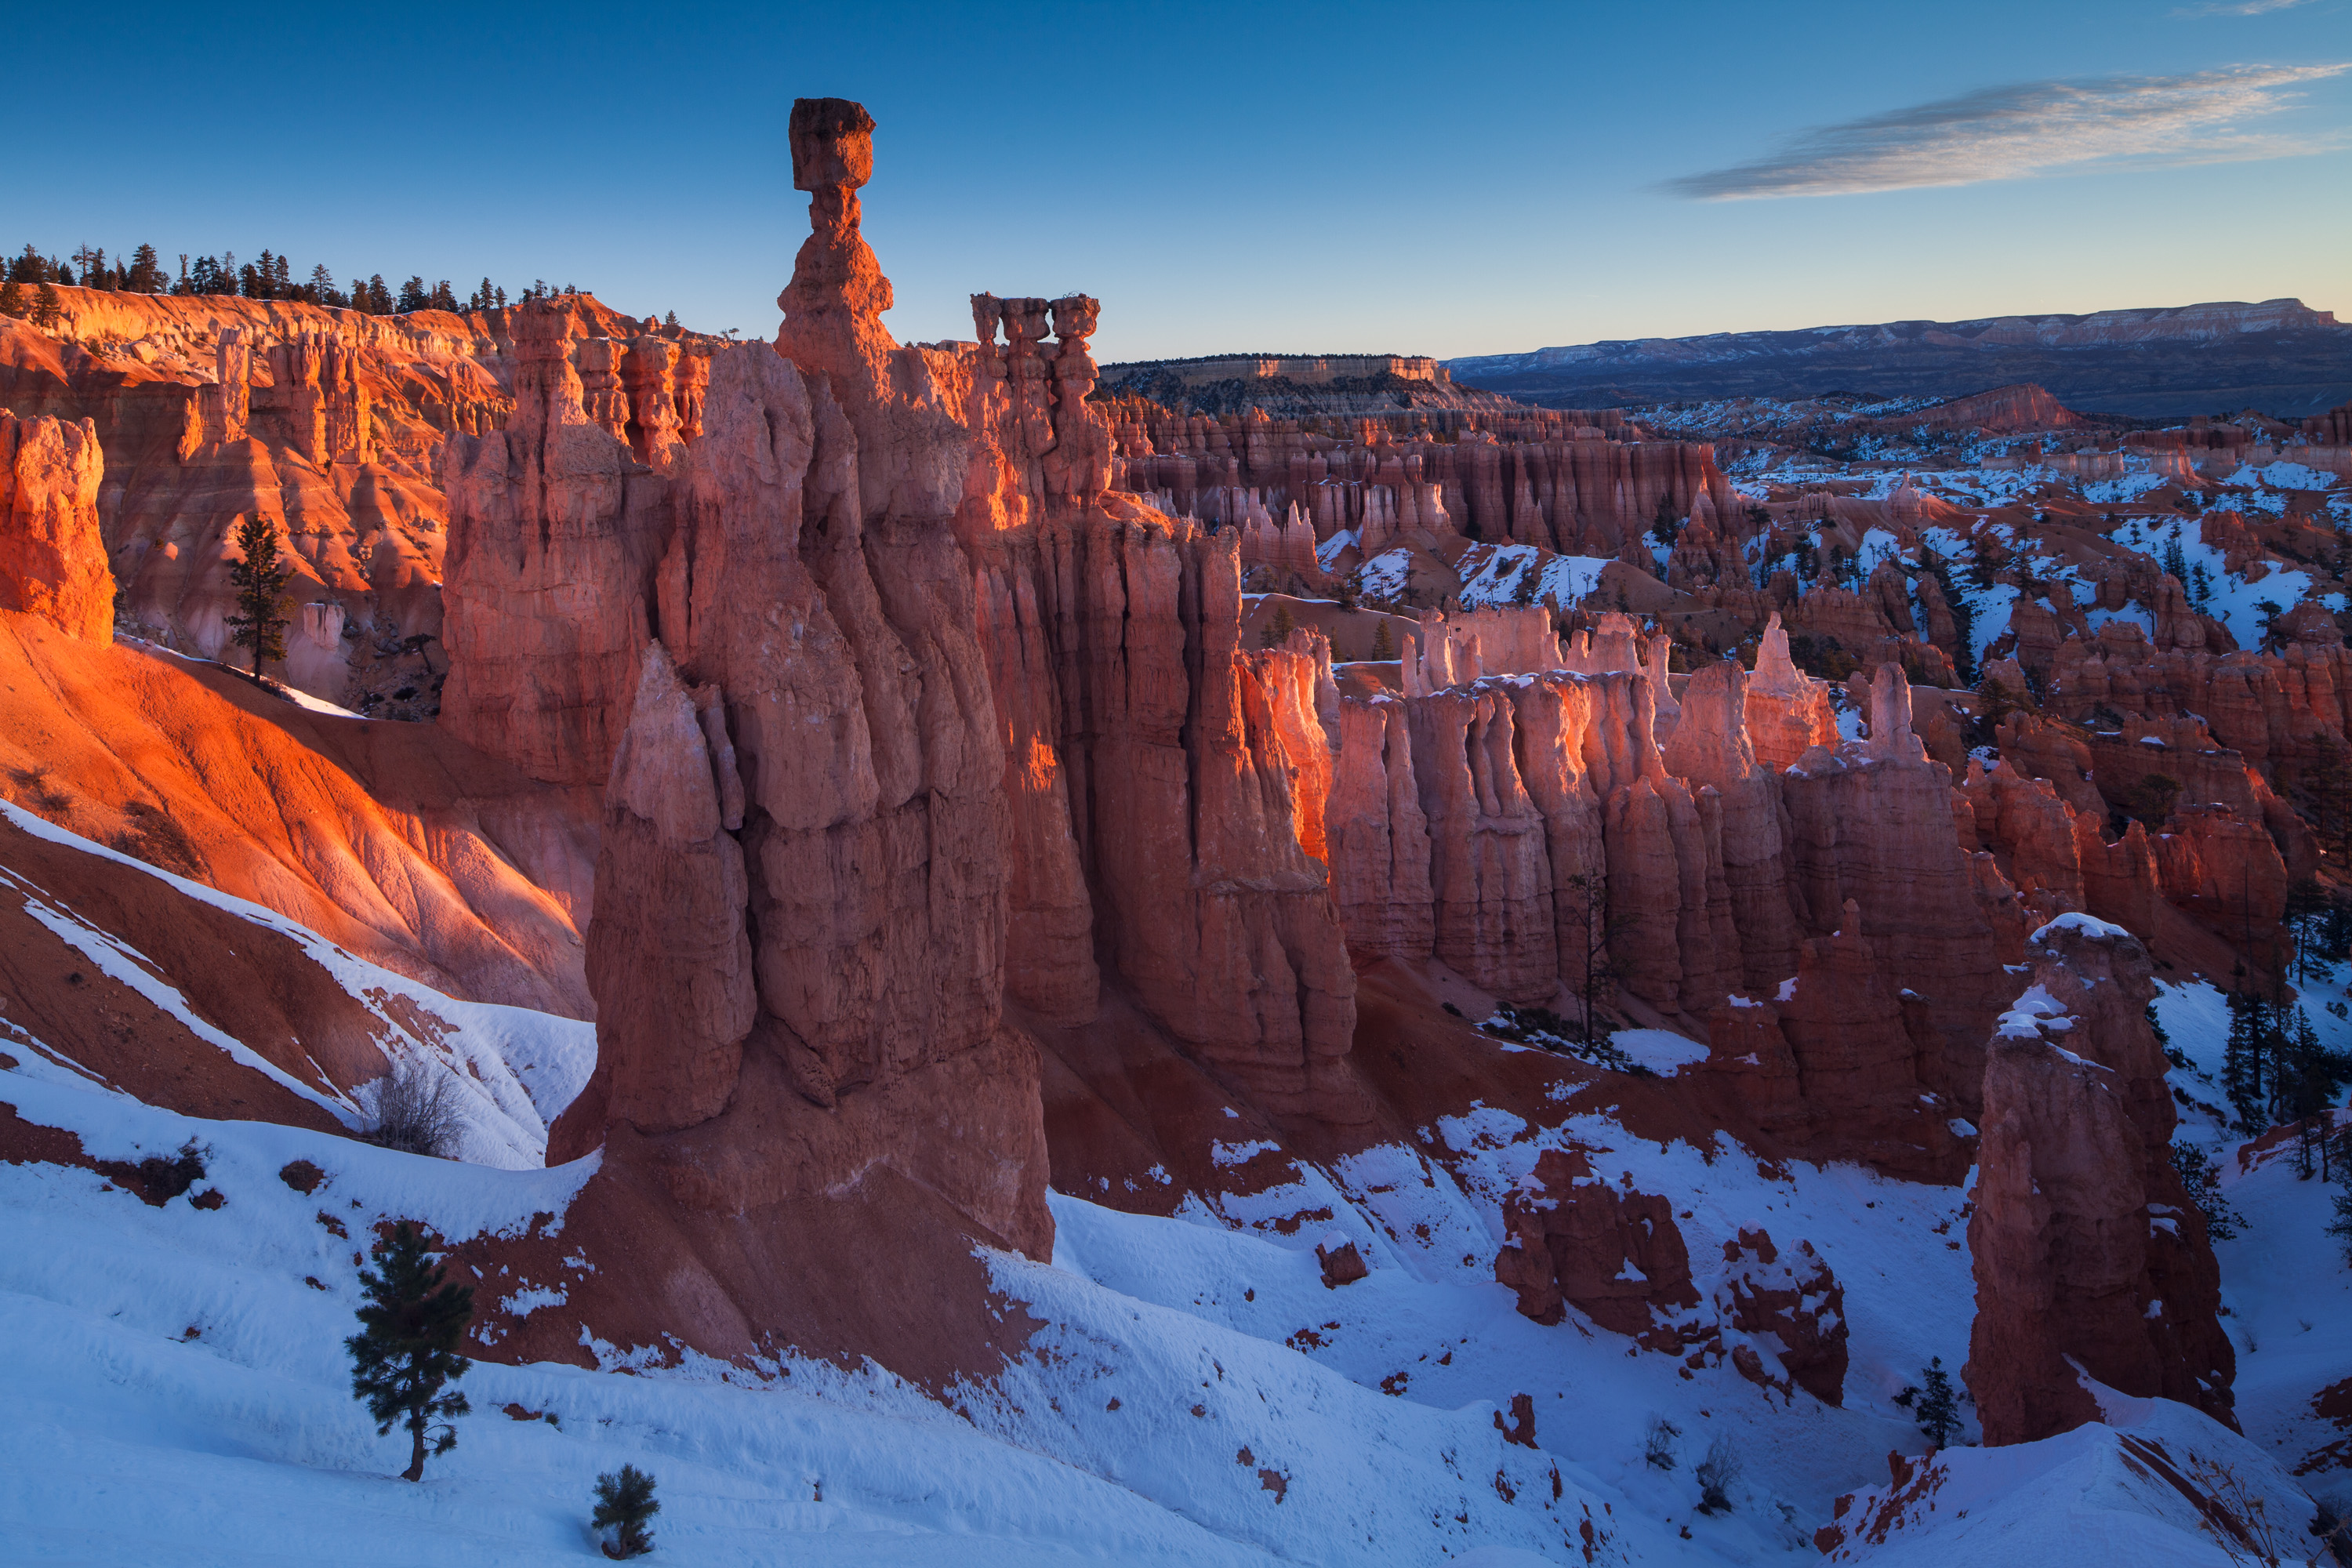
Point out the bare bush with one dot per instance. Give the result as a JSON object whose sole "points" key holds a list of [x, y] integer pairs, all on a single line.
{"points": [[1716, 1473], [416, 1111], [1660, 1449]]}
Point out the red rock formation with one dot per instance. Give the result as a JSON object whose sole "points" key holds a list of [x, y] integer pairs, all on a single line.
{"points": [[1792, 1307], [815, 1042], [2003, 410], [52, 560], [211, 408], [555, 530], [1788, 712], [1379, 835], [670, 959], [1570, 1239], [1873, 825], [2087, 1253]]}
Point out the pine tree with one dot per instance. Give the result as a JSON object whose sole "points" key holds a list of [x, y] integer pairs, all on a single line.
{"points": [[413, 296], [1666, 526], [1278, 629], [146, 274], [1585, 895], [260, 579], [322, 286], [1938, 1412], [1383, 645], [407, 1349], [379, 297], [12, 299], [625, 1501], [2340, 1227], [2201, 1180], [2242, 1063], [48, 309]]}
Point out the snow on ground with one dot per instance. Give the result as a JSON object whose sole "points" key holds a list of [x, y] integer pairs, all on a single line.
{"points": [[514, 1069], [2235, 601], [180, 1395], [1385, 576], [1497, 574], [1992, 604], [2287, 1291], [2285, 476], [2096, 1497], [2122, 490], [1197, 1395], [1662, 1051]]}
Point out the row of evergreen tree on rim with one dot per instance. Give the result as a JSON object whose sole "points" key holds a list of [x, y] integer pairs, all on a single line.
{"points": [[270, 278]]}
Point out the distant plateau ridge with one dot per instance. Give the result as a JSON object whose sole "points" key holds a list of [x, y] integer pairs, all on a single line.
{"points": [[2279, 356]]}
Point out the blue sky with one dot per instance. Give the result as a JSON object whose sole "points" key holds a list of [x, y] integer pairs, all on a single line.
{"points": [[1441, 180]]}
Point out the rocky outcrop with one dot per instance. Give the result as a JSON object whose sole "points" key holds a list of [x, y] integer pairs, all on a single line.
{"points": [[555, 530], [1787, 1307], [52, 560], [1788, 711], [1570, 1239], [1871, 824], [2090, 1261]]}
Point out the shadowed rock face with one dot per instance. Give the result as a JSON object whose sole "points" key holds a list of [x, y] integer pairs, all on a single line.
{"points": [[2088, 1254]]}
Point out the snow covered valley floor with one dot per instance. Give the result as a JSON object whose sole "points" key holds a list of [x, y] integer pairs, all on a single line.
{"points": [[178, 1388]]}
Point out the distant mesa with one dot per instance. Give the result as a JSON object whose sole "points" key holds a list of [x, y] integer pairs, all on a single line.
{"points": [[2279, 355], [1294, 385]]}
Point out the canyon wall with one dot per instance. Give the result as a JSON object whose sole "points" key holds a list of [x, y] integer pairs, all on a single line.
{"points": [[331, 424]]}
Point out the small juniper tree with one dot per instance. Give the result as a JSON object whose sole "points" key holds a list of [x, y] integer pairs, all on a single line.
{"points": [[406, 1349], [625, 1501], [1938, 1412], [260, 579]]}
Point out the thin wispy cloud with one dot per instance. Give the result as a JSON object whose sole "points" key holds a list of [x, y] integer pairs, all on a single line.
{"points": [[2033, 128], [2239, 8]]}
